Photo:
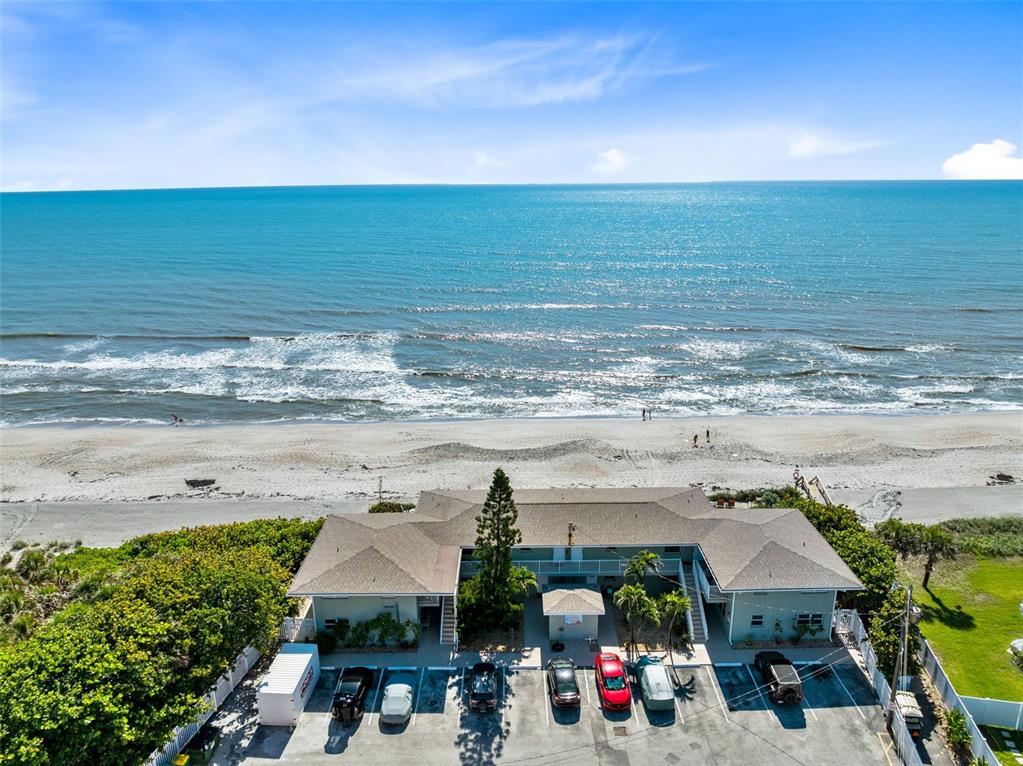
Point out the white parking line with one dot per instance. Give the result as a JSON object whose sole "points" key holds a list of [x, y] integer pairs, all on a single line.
{"points": [[415, 709], [678, 707], [547, 713], [756, 685], [714, 686], [851, 699], [376, 697], [504, 695], [586, 684]]}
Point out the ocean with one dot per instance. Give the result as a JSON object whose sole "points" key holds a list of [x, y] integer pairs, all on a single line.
{"points": [[380, 303]]}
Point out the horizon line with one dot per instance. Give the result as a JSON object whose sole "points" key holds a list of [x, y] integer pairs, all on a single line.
{"points": [[464, 184]]}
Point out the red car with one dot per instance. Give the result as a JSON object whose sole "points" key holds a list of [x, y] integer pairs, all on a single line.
{"points": [[612, 683]]}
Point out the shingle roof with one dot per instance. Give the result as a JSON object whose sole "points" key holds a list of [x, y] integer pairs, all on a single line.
{"points": [[572, 601], [419, 552]]}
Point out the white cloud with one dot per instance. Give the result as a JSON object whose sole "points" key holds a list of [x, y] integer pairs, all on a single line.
{"points": [[806, 144], [482, 161], [509, 73], [992, 161], [612, 162]]}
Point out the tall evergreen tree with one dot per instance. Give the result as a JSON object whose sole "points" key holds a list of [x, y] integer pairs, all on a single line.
{"points": [[496, 533]]}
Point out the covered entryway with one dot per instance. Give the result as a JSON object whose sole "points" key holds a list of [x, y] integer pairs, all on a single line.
{"points": [[572, 613]]}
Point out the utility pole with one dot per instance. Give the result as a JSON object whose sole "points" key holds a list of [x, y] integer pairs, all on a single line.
{"points": [[902, 661]]}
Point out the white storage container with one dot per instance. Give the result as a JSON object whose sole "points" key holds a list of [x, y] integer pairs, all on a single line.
{"points": [[288, 684]]}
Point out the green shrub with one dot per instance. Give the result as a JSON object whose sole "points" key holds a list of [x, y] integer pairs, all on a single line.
{"points": [[987, 536], [956, 731], [341, 628], [389, 506], [359, 635], [326, 641]]}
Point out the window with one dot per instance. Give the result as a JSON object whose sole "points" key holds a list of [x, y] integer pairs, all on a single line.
{"points": [[672, 549], [805, 618], [756, 621], [329, 624]]}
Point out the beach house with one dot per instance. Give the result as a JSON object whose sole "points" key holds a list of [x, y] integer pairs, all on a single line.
{"points": [[762, 570]]}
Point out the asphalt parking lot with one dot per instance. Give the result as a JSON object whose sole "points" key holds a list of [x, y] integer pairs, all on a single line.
{"points": [[720, 717]]}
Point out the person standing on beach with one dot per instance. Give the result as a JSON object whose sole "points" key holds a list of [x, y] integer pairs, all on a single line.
{"points": [[644, 414], [708, 436], [696, 438]]}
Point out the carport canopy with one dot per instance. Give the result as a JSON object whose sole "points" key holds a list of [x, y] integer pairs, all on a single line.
{"points": [[571, 601]]}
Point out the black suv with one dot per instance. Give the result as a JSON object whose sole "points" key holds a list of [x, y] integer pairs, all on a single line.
{"points": [[780, 678], [483, 687], [350, 694]]}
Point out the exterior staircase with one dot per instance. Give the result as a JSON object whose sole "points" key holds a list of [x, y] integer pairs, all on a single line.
{"points": [[699, 618], [448, 621]]}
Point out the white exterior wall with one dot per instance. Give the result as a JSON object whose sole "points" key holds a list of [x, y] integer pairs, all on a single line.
{"points": [[776, 605], [355, 608], [559, 631]]}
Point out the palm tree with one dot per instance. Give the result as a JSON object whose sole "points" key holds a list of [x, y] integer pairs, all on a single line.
{"points": [[638, 607], [520, 580], [936, 544], [643, 563], [674, 606]]}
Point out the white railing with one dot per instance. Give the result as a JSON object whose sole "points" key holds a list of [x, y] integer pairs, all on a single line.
{"points": [[297, 628], [710, 591], [213, 699], [951, 699], [849, 620], [586, 566], [685, 592]]}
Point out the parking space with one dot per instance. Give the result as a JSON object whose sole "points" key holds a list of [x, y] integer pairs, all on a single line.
{"points": [[720, 716]]}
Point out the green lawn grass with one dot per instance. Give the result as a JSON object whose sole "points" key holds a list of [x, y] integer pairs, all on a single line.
{"points": [[970, 616], [995, 737]]}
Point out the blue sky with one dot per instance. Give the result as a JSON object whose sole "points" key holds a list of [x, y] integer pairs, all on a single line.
{"points": [[223, 94]]}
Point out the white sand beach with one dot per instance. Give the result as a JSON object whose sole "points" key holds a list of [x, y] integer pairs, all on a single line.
{"points": [[102, 484]]}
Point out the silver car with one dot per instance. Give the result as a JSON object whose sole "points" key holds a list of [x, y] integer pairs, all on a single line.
{"points": [[655, 684], [396, 708]]}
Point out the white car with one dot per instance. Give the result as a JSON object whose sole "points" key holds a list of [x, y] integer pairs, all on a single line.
{"points": [[396, 708], [655, 684]]}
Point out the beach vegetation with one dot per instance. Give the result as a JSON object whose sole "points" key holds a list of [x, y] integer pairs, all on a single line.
{"points": [[492, 599], [108, 681], [389, 506], [932, 543], [762, 497], [987, 536], [103, 652]]}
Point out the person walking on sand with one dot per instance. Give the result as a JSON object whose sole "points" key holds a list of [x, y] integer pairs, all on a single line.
{"points": [[696, 438], [644, 414], [708, 436]]}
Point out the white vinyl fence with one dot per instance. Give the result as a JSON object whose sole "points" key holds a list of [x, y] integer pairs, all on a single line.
{"points": [[297, 628], [952, 700], [214, 699], [847, 620], [989, 712]]}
